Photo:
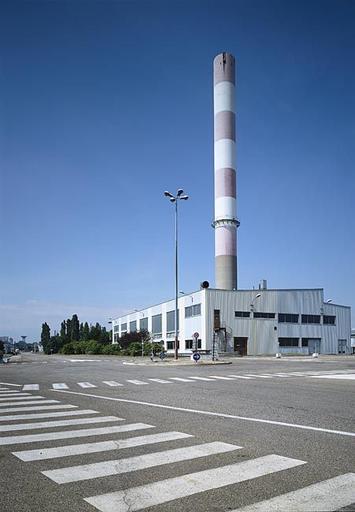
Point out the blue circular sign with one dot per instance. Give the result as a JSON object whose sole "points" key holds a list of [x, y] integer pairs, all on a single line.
{"points": [[196, 356]]}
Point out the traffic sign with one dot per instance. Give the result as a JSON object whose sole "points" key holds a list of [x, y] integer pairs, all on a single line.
{"points": [[196, 335], [196, 357]]}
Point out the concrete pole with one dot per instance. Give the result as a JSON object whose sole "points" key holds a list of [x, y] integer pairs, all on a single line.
{"points": [[225, 221]]}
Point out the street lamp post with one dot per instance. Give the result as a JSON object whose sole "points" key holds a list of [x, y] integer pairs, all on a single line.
{"points": [[175, 199], [110, 322]]}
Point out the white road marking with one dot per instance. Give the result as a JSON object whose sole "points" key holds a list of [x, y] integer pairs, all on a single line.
{"points": [[137, 382], [149, 460], [329, 495], [2, 388], [217, 414], [36, 416], [28, 387], [259, 376], [59, 423], [34, 402], [38, 408], [86, 385], [11, 391], [240, 377], [85, 360], [68, 434], [59, 385], [79, 449], [9, 384], [161, 381], [180, 379], [350, 376], [21, 396], [220, 377], [171, 489], [112, 383], [202, 378]]}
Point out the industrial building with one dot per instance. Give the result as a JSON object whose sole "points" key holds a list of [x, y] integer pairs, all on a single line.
{"points": [[246, 322]]}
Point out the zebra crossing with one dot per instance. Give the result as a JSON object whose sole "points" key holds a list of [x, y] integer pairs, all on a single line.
{"points": [[330, 494], [331, 374]]}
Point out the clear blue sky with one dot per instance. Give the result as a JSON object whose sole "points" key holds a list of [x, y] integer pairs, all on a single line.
{"points": [[104, 105]]}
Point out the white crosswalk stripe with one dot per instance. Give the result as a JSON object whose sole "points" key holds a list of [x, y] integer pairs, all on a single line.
{"points": [[33, 402], [67, 434], [104, 446], [86, 385], [35, 416], [112, 383], [349, 376], [328, 495], [59, 423], [202, 378], [59, 385], [28, 387], [1, 388], [120, 466], [10, 384], [137, 498], [8, 391], [161, 381], [38, 407], [18, 396], [220, 377], [240, 377], [181, 379], [137, 382]]}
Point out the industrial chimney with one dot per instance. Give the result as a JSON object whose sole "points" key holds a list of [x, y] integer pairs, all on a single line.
{"points": [[225, 221]]}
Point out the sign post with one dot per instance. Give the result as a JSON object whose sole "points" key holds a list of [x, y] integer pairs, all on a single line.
{"points": [[196, 356]]}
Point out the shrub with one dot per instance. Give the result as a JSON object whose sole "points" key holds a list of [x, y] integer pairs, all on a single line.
{"points": [[111, 350]]}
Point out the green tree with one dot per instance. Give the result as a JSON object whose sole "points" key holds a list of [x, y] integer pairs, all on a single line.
{"points": [[74, 335], [81, 331], [63, 332], [86, 332], [45, 336], [95, 332], [68, 330]]}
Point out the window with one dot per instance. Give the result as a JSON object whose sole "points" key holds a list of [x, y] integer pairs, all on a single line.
{"points": [[311, 319], [217, 319], [170, 321], [288, 342], [194, 310], [190, 344], [123, 327], [264, 315], [143, 324], [115, 328], [133, 326], [242, 314], [288, 318], [329, 320], [304, 342], [156, 324], [169, 345]]}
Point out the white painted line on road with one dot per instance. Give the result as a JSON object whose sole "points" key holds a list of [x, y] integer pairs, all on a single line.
{"points": [[36, 416], [85, 360], [220, 377], [69, 434], [341, 377], [28, 387], [34, 402], [12, 396], [2, 388], [329, 495], [161, 381], [86, 385], [9, 384], [59, 423], [180, 379], [137, 382], [11, 391], [240, 377], [202, 378], [217, 414], [38, 408], [104, 446], [112, 383], [59, 385], [149, 460], [20, 396], [137, 498], [259, 376]]}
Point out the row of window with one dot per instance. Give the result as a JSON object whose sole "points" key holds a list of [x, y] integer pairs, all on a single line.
{"points": [[190, 311], [189, 344], [289, 317], [292, 342]]}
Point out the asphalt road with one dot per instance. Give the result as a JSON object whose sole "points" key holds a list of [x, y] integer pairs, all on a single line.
{"points": [[251, 432]]}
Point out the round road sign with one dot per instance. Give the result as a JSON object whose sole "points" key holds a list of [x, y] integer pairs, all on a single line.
{"points": [[196, 356], [195, 335]]}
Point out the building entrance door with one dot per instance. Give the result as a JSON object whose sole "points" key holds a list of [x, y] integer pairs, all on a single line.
{"points": [[342, 348], [313, 345], [241, 346]]}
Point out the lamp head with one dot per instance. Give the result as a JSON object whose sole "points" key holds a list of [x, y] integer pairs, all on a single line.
{"points": [[168, 194]]}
